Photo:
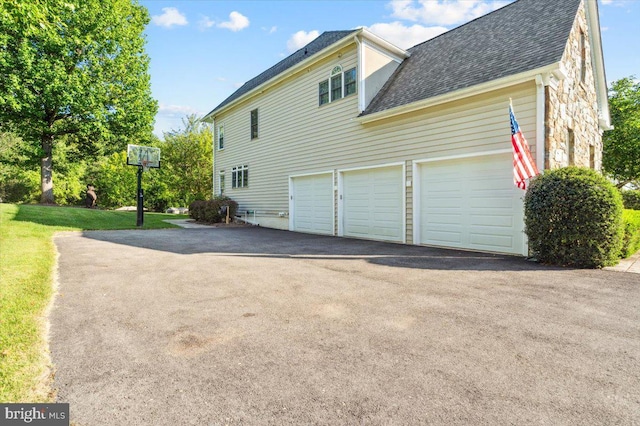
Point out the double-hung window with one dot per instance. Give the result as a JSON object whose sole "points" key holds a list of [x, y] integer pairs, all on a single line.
{"points": [[254, 124], [221, 182], [336, 83], [323, 92], [339, 85], [220, 137], [350, 82], [240, 176]]}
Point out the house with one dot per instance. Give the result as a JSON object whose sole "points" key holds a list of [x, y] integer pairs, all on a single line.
{"points": [[353, 136]]}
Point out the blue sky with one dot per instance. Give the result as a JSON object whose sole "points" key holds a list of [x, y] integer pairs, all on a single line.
{"points": [[203, 50]]}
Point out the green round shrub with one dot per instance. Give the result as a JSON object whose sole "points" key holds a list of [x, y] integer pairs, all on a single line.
{"points": [[573, 217], [631, 199], [209, 211]]}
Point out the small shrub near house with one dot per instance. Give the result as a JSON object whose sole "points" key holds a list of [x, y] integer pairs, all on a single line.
{"points": [[210, 211], [573, 217], [631, 238], [631, 199]]}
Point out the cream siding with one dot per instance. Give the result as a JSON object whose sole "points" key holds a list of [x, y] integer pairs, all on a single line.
{"points": [[409, 201], [296, 136], [378, 68]]}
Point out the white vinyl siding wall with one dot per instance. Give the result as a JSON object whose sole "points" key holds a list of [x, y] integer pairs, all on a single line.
{"points": [[299, 137]]}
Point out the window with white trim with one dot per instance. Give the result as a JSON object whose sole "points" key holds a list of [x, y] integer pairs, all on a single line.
{"points": [[254, 124], [323, 92], [221, 182], [240, 176], [221, 137], [339, 85], [336, 83]]}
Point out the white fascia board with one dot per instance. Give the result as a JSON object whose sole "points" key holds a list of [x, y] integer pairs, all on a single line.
{"points": [[478, 89], [329, 50], [387, 47], [597, 59]]}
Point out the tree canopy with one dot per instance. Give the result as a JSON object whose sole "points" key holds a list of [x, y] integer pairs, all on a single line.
{"points": [[621, 156], [187, 161], [78, 69]]}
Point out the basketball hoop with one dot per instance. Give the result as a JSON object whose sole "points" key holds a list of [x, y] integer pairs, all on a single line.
{"points": [[145, 165]]}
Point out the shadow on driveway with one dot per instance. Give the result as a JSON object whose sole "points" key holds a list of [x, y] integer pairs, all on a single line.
{"points": [[265, 242]]}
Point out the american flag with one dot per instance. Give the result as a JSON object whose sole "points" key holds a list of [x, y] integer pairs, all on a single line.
{"points": [[523, 165]]}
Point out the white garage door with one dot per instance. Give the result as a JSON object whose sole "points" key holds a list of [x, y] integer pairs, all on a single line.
{"points": [[471, 203], [313, 204], [373, 203]]}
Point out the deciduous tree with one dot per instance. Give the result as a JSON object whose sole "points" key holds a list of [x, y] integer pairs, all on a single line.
{"points": [[77, 68], [621, 156], [187, 161]]}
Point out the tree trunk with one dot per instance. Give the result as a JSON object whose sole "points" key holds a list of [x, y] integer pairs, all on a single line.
{"points": [[46, 170]]}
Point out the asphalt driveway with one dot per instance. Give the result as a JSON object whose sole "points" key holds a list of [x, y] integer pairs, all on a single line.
{"points": [[258, 326]]}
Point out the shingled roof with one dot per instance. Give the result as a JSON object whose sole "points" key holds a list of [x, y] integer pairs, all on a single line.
{"points": [[522, 36], [323, 41]]}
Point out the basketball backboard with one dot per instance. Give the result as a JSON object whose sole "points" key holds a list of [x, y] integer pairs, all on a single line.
{"points": [[146, 156]]}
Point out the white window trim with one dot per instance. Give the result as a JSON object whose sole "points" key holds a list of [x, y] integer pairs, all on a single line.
{"points": [[221, 177], [239, 170], [220, 127], [257, 124], [333, 73]]}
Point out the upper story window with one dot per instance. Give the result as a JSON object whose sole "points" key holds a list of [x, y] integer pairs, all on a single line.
{"points": [[339, 85], [254, 124], [323, 92], [583, 56], [350, 82], [220, 137], [336, 83]]}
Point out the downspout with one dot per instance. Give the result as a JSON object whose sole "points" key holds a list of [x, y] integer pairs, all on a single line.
{"points": [[540, 125], [360, 72]]}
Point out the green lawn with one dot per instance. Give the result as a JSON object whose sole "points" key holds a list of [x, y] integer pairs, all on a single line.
{"points": [[27, 262]]}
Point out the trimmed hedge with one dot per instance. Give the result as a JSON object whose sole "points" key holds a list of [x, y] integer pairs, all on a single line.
{"points": [[631, 199], [209, 211], [631, 239], [573, 217]]}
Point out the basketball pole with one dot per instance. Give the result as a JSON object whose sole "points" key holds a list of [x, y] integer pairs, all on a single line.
{"points": [[140, 220]]}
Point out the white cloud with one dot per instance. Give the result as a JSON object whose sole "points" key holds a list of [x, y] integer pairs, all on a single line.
{"points": [[236, 22], [300, 39], [403, 36], [171, 16], [206, 22], [443, 12], [270, 30], [172, 110]]}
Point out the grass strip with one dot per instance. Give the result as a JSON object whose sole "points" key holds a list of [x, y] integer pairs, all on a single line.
{"points": [[27, 267]]}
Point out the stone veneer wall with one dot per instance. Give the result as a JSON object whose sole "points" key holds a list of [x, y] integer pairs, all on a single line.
{"points": [[572, 104]]}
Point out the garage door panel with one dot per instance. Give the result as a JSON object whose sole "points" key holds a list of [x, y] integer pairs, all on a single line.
{"points": [[445, 238], [313, 204], [496, 221], [504, 241], [373, 203], [478, 195]]}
